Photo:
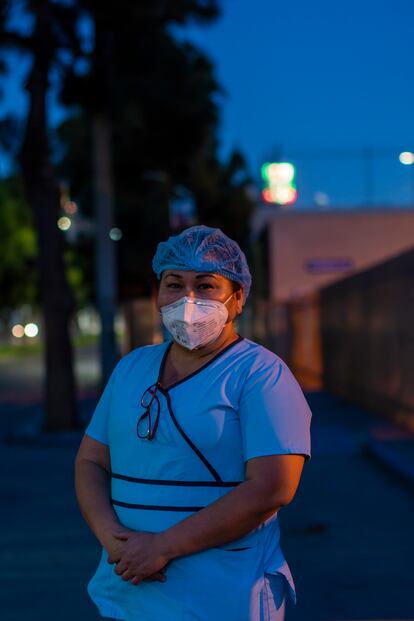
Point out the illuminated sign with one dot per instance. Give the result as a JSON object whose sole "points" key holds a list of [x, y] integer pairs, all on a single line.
{"points": [[279, 183]]}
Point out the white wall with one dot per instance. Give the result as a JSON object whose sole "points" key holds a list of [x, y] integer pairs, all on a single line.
{"points": [[365, 237]]}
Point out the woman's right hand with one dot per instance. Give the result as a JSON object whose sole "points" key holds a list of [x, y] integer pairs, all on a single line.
{"points": [[93, 472], [113, 547]]}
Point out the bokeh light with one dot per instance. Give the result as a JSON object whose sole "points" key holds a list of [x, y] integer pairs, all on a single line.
{"points": [[279, 182], [70, 207], [407, 158], [115, 234], [17, 331], [64, 223], [31, 330], [321, 199]]}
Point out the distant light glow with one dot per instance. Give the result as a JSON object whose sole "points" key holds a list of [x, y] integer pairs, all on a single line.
{"points": [[321, 199], [267, 195], [281, 173], [18, 331], [70, 207], [115, 234], [279, 183], [263, 171], [285, 195], [31, 330], [64, 223], [407, 158]]}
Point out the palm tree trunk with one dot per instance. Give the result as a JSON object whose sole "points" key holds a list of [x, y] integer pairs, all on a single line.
{"points": [[43, 195]]}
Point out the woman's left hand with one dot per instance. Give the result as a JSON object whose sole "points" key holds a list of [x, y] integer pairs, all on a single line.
{"points": [[141, 556]]}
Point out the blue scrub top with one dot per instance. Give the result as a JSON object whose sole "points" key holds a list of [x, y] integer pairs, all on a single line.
{"points": [[244, 403]]}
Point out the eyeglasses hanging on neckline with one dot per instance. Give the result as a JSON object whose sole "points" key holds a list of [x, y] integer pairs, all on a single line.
{"points": [[150, 418]]}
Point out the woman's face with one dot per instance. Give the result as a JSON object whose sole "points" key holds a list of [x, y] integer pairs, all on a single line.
{"points": [[176, 284]]}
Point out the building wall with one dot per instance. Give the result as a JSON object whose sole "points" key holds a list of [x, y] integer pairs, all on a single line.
{"points": [[305, 356], [292, 331], [363, 238]]}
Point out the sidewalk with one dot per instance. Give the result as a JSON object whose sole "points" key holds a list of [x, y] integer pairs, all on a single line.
{"points": [[393, 449], [389, 445], [347, 535]]}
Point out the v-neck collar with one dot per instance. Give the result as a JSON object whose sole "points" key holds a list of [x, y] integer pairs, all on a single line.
{"points": [[204, 366]]}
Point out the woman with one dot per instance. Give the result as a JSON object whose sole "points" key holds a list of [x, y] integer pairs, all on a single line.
{"points": [[193, 448]]}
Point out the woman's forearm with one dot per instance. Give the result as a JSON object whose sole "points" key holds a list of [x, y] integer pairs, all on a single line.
{"points": [[234, 515], [92, 484]]}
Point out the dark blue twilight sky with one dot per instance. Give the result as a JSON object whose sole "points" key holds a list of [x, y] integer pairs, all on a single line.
{"points": [[318, 82]]}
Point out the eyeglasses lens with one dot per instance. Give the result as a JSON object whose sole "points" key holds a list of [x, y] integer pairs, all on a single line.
{"points": [[146, 427]]}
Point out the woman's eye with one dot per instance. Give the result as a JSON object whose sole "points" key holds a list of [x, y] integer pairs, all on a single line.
{"points": [[173, 285], [205, 285]]}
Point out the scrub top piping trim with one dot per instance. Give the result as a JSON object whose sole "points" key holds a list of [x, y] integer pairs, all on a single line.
{"points": [[165, 392], [191, 375], [124, 477], [191, 444], [163, 361], [129, 505]]}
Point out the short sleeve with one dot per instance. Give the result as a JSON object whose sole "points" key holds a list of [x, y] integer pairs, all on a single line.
{"points": [[98, 425], [274, 414]]}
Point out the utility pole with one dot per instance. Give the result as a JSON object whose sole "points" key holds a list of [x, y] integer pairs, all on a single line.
{"points": [[106, 277], [103, 186]]}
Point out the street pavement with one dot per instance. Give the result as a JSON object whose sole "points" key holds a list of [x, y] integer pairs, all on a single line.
{"points": [[348, 534]]}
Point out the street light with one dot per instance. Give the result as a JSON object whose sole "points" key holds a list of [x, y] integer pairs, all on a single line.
{"points": [[406, 158]]}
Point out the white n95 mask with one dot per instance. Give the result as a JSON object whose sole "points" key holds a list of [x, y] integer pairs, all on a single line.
{"points": [[194, 322]]}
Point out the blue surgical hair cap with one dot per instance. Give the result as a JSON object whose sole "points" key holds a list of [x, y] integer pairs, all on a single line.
{"points": [[203, 249]]}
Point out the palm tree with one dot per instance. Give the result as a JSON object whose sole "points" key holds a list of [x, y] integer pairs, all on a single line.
{"points": [[121, 37], [53, 30]]}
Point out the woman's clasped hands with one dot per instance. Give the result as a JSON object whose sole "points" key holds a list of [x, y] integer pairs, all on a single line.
{"points": [[137, 555]]}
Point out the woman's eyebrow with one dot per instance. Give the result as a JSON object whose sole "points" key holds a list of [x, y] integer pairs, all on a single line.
{"points": [[173, 275], [206, 276]]}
